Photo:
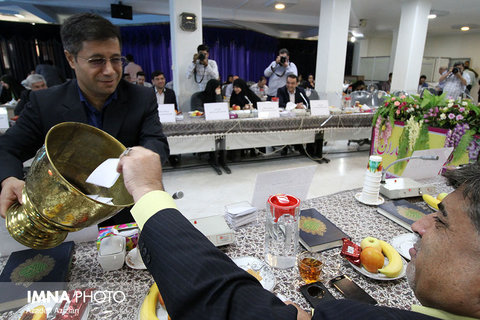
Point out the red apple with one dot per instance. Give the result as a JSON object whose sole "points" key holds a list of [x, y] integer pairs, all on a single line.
{"points": [[372, 259]]}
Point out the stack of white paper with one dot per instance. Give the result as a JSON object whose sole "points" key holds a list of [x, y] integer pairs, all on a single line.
{"points": [[240, 214]]}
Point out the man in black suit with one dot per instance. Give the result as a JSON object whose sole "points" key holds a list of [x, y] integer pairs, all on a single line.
{"points": [[164, 95], [291, 92], [198, 281], [98, 97]]}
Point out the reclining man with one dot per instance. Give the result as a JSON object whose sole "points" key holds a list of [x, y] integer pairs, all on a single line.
{"points": [[198, 281]]}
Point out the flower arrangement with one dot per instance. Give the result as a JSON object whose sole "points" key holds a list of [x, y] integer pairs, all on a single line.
{"points": [[460, 117]]}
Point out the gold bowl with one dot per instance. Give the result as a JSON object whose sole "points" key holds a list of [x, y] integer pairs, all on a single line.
{"points": [[55, 197]]}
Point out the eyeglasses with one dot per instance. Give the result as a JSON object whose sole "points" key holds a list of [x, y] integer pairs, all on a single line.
{"points": [[100, 62]]}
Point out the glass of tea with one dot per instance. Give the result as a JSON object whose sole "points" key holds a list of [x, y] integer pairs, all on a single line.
{"points": [[310, 266]]}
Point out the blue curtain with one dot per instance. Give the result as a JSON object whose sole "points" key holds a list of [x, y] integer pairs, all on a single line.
{"points": [[240, 52]]}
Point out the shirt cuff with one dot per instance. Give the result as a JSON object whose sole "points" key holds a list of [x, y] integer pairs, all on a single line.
{"points": [[149, 204]]}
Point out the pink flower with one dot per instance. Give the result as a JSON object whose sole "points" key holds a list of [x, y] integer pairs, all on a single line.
{"points": [[398, 112], [426, 121], [396, 103], [393, 99], [425, 116], [386, 104], [459, 117], [461, 109], [436, 109], [402, 97], [451, 116]]}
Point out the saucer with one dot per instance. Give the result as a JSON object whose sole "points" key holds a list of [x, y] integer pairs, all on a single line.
{"points": [[134, 260], [258, 267], [379, 201]]}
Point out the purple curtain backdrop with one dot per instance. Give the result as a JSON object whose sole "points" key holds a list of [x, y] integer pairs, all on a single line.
{"points": [[240, 52]]}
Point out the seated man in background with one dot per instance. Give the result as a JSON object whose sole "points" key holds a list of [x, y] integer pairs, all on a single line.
{"points": [[164, 95], [443, 272], [141, 80], [422, 83], [33, 82], [97, 97], [260, 88], [291, 92]]}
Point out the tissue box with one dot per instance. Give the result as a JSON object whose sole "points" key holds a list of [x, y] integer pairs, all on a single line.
{"points": [[131, 240]]}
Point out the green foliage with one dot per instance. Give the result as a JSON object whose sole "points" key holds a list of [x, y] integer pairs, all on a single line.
{"points": [[402, 150], [422, 140], [463, 145]]}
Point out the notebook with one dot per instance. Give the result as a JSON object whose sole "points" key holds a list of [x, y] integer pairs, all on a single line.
{"points": [[317, 233], [402, 212], [34, 270]]}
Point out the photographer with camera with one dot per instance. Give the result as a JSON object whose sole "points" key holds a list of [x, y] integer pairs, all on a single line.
{"points": [[202, 69], [278, 71], [455, 81]]}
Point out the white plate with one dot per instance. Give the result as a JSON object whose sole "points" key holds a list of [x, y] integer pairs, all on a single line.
{"points": [[268, 279], [379, 201], [378, 275], [403, 243], [48, 308], [134, 260]]}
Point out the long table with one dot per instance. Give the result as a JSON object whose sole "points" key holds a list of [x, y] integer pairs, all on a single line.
{"points": [[194, 134], [355, 219]]}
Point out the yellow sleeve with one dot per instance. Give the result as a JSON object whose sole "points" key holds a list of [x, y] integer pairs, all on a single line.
{"points": [[150, 204]]}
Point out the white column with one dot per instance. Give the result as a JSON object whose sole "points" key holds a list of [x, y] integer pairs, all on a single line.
{"points": [[184, 45], [412, 33], [393, 50], [332, 49]]}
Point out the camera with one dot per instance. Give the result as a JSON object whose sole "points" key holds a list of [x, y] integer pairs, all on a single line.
{"points": [[201, 56], [455, 70], [283, 60]]}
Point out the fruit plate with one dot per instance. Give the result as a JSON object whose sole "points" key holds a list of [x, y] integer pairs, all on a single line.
{"points": [[403, 243], [378, 275], [257, 267], [50, 307]]}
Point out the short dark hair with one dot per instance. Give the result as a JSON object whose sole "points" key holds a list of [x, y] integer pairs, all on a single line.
{"points": [[140, 73], [293, 76], [284, 50], [157, 73], [129, 57], [86, 27], [467, 178], [423, 76], [262, 78], [456, 64], [203, 47]]}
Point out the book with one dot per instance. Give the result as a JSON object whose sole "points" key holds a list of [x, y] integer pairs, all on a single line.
{"points": [[317, 233], [34, 270], [402, 212]]}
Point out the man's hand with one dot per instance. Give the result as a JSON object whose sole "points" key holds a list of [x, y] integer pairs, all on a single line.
{"points": [[277, 60], [11, 192], [142, 171], [195, 58], [300, 106], [301, 314]]}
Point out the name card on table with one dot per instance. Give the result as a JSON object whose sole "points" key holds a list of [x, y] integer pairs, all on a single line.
{"points": [[3, 118], [319, 108], [166, 112], [216, 111], [268, 109]]}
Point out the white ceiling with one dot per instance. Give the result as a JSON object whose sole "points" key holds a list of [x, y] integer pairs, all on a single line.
{"points": [[298, 20]]}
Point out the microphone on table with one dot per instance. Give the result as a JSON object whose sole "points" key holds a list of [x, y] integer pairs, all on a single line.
{"points": [[177, 195], [249, 102], [304, 99]]}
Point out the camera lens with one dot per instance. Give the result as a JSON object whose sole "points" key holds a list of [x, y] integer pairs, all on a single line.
{"points": [[283, 60], [201, 56], [454, 70]]}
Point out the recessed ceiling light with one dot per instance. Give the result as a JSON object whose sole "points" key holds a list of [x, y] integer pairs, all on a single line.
{"points": [[432, 16], [20, 16], [279, 6], [353, 39], [465, 28]]}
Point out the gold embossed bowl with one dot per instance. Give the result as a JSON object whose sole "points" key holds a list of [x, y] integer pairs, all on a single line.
{"points": [[55, 199]]}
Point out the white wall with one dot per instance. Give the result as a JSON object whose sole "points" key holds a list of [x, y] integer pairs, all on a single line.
{"points": [[455, 46]]}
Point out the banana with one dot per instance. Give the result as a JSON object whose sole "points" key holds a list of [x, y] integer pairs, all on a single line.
{"points": [[442, 195], [431, 201], [395, 263], [148, 310]]}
